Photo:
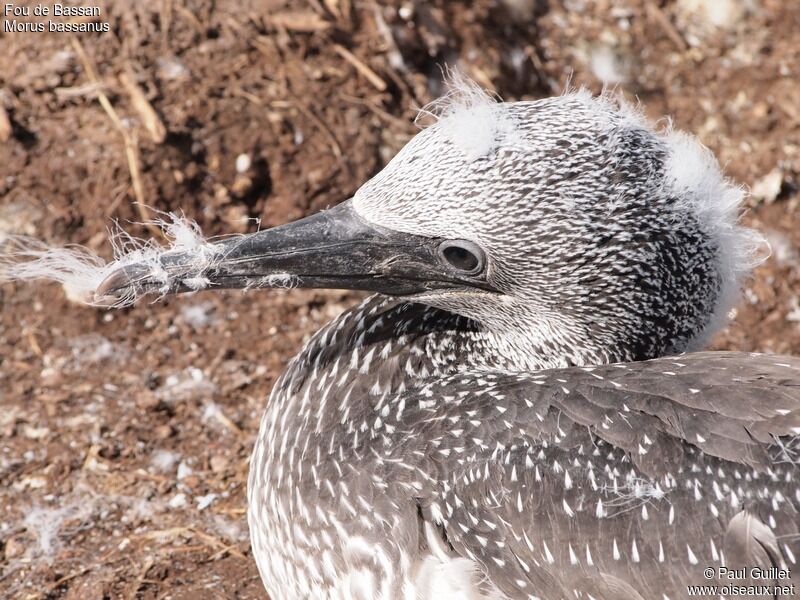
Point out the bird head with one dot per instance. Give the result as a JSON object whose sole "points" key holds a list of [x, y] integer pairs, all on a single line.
{"points": [[568, 228]]}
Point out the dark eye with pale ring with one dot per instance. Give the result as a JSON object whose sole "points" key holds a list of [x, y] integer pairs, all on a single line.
{"points": [[463, 256]]}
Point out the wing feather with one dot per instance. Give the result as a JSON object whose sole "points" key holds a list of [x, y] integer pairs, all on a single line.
{"points": [[619, 481]]}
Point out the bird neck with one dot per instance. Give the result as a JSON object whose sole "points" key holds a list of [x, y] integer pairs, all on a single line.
{"points": [[526, 350], [524, 339]]}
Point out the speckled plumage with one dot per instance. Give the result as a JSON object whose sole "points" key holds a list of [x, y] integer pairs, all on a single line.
{"points": [[562, 483]]}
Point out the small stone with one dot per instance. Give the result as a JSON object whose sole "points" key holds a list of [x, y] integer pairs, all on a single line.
{"points": [[769, 187], [406, 12], [706, 15], [191, 481], [241, 185], [184, 470], [15, 547], [164, 460], [218, 463], [146, 399], [177, 501], [35, 433], [51, 377], [203, 502], [170, 68], [163, 432], [243, 163]]}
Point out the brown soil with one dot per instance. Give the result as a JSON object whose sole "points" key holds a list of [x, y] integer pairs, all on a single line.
{"points": [[125, 436]]}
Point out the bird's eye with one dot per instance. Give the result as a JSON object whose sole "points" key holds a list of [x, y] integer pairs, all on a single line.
{"points": [[463, 256]]}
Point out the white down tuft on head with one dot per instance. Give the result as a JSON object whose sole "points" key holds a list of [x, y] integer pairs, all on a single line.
{"points": [[471, 118]]}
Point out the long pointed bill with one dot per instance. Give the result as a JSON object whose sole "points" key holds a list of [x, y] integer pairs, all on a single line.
{"points": [[333, 249]]}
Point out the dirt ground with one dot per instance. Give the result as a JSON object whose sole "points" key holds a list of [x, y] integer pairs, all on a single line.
{"points": [[125, 436]]}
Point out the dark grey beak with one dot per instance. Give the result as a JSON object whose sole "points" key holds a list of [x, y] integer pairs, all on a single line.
{"points": [[333, 249]]}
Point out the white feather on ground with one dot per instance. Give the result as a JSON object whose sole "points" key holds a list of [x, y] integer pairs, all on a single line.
{"points": [[80, 271]]}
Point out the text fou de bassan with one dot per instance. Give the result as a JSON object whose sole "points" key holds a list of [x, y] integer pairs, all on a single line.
{"points": [[15, 19]]}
